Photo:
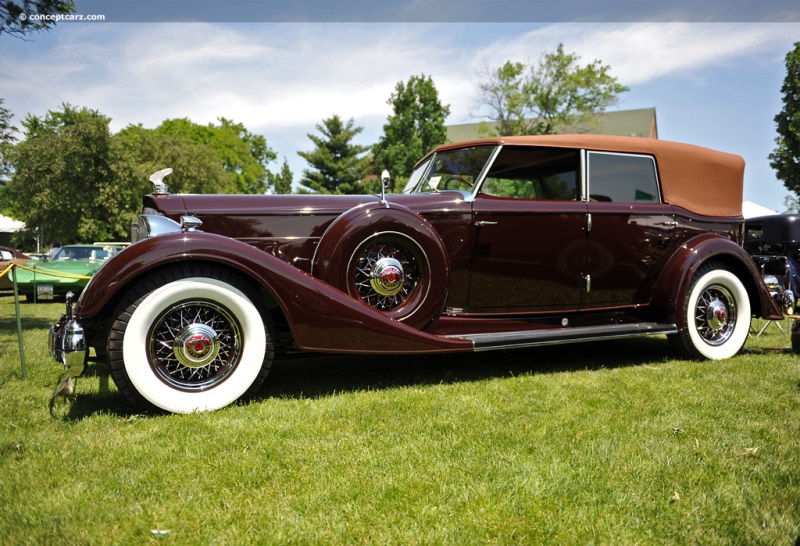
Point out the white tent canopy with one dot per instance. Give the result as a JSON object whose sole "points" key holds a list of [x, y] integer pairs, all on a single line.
{"points": [[754, 210], [9, 225]]}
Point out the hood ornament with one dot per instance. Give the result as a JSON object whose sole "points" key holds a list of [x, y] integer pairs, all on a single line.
{"points": [[157, 178], [385, 180]]}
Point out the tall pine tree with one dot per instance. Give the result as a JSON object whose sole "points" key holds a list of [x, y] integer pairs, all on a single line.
{"points": [[337, 165]]}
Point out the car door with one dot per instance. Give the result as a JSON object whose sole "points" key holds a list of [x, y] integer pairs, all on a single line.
{"points": [[529, 238], [629, 229]]}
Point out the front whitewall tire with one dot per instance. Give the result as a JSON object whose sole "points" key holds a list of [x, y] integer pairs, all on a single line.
{"points": [[245, 370]]}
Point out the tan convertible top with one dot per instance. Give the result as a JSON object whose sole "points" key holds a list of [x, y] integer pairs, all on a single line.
{"points": [[698, 179]]}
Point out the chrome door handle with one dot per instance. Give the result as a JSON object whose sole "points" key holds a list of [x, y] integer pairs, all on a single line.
{"points": [[481, 223]]}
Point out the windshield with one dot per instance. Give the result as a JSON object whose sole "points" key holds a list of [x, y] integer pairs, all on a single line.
{"points": [[452, 170], [84, 253]]}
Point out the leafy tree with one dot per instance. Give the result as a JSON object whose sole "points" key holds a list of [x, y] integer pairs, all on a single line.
{"points": [[281, 182], [63, 181], [337, 165], [791, 204], [785, 159], [415, 126], [139, 152], [7, 140], [15, 16], [546, 97], [74, 180], [243, 155]]}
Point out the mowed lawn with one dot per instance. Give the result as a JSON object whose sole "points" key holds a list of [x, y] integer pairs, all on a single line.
{"points": [[605, 443]]}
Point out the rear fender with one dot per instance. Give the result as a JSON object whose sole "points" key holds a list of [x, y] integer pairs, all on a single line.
{"points": [[676, 277], [321, 317]]}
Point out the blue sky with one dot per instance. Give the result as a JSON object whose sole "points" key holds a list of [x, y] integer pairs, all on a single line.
{"points": [[714, 76]]}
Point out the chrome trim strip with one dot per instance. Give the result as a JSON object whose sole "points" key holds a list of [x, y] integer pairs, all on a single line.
{"points": [[509, 340], [584, 177], [476, 187]]}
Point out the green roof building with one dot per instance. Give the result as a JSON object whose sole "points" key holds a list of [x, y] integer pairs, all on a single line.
{"points": [[640, 122]]}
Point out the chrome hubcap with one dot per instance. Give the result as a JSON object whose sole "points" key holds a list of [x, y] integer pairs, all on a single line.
{"points": [[386, 277], [715, 315], [197, 346]]}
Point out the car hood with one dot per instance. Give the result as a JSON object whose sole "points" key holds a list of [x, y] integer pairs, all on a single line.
{"points": [[267, 205]]}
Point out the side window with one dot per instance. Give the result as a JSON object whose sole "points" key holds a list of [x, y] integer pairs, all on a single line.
{"points": [[622, 178], [6, 256], [526, 172]]}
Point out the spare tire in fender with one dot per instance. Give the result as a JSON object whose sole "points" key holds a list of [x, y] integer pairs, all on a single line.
{"points": [[391, 259]]}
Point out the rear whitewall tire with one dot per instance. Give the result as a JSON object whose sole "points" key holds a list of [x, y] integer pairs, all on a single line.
{"points": [[156, 387], [717, 314]]}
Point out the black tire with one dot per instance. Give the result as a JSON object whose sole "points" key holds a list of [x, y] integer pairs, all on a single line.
{"points": [[191, 338], [795, 336], [717, 314]]}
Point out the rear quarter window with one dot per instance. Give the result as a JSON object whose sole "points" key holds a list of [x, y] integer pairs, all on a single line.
{"points": [[625, 178]]}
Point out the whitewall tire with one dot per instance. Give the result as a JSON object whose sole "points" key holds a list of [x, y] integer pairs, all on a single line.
{"points": [[717, 314], [190, 344]]}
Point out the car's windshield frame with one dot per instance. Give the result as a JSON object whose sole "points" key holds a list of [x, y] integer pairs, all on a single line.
{"points": [[428, 176]]}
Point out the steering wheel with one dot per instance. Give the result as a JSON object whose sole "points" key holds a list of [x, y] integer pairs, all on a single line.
{"points": [[446, 183]]}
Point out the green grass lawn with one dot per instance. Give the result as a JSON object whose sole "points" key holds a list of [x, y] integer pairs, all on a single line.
{"points": [[605, 443]]}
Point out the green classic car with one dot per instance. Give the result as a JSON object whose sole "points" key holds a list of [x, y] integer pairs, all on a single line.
{"points": [[69, 270]]}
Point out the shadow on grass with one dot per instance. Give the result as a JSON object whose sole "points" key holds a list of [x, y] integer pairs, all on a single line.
{"points": [[326, 375], [9, 325], [104, 398], [317, 376]]}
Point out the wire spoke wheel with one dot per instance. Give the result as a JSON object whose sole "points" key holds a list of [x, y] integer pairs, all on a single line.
{"points": [[386, 273], [190, 339], [194, 345], [716, 310], [715, 315]]}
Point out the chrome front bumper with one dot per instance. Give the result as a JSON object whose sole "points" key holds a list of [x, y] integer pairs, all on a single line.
{"points": [[67, 343]]}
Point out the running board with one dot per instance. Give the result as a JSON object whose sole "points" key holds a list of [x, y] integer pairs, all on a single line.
{"points": [[530, 338]]}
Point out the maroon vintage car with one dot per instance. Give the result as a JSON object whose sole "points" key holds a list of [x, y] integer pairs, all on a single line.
{"points": [[496, 243]]}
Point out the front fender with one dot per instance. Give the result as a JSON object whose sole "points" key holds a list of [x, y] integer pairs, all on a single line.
{"points": [[321, 317], [674, 282]]}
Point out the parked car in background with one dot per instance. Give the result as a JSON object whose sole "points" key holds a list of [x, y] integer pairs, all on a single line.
{"points": [[10, 256], [494, 244], [774, 243], [69, 270]]}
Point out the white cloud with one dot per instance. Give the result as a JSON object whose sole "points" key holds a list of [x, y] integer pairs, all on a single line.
{"points": [[284, 75], [641, 52], [279, 76]]}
